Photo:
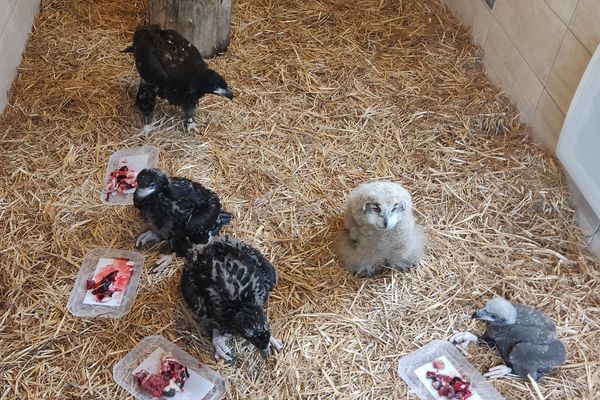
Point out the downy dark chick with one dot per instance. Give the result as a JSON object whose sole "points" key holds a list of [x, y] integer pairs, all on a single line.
{"points": [[225, 283], [172, 68], [177, 210]]}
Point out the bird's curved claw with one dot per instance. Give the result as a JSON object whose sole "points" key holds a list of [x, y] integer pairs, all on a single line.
{"points": [[276, 344], [498, 371], [147, 129], [145, 238], [191, 127], [462, 339], [222, 350], [162, 263]]}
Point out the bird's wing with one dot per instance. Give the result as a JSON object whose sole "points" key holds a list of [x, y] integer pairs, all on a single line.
{"points": [[182, 52], [251, 276], [507, 337], [148, 47], [201, 206], [536, 359], [203, 287], [263, 267], [193, 294]]}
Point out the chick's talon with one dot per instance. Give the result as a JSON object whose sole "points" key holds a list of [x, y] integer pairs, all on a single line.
{"points": [[462, 339], [498, 371]]}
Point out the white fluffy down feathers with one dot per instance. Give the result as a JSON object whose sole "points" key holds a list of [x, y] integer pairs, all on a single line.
{"points": [[380, 230]]}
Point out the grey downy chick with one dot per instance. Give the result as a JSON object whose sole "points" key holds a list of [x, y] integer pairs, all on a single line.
{"points": [[525, 338]]}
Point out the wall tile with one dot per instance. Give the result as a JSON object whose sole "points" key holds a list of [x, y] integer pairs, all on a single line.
{"points": [[12, 43], [547, 122], [534, 29], [585, 23], [6, 8], [473, 14], [570, 63], [563, 8], [507, 68]]}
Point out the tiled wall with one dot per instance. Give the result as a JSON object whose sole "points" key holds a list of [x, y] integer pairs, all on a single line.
{"points": [[536, 51], [16, 18]]}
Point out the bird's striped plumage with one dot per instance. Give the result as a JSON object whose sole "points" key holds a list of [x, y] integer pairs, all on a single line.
{"points": [[225, 283]]}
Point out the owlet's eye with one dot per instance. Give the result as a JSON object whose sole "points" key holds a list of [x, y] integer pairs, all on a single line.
{"points": [[375, 209]]}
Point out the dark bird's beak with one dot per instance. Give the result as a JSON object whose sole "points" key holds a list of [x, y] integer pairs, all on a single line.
{"points": [[265, 353], [482, 315], [224, 92]]}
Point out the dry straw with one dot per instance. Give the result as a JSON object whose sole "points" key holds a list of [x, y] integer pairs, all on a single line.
{"points": [[329, 94]]}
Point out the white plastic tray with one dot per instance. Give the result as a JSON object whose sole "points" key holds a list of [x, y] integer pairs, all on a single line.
{"points": [[76, 304], [435, 350], [137, 159], [579, 141], [123, 370]]}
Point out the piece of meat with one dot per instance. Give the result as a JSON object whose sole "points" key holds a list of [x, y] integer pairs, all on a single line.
{"points": [[152, 384], [102, 289]]}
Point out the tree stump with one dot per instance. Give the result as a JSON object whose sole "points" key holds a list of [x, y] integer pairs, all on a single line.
{"points": [[205, 23]]}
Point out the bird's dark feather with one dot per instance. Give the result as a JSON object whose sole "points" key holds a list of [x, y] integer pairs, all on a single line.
{"points": [[226, 276], [170, 63], [528, 345], [185, 213]]}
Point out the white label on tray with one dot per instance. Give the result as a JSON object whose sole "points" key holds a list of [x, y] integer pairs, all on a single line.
{"points": [[104, 267], [449, 370], [195, 388]]}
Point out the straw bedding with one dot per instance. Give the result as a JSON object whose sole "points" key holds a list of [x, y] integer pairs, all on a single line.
{"points": [[329, 94]]}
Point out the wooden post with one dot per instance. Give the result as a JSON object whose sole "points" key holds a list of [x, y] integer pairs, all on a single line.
{"points": [[205, 23]]}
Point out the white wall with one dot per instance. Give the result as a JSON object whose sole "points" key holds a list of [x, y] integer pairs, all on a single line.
{"points": [[16, 20], [537, 51]]}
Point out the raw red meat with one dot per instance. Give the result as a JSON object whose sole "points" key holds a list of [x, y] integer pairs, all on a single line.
{"points": [[102, 289], [167, 382], [450, 387], [152, 384]]}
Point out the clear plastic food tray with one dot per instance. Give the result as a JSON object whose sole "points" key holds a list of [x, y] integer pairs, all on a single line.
{"points": [[124, 369], [136, 159], [79, 295], [410, 365]]}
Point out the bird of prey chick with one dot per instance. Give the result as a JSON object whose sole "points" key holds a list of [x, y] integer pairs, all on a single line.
{"points": [[525, 338], [225, 283], [178, 210], [172, 68], [380, 230]]}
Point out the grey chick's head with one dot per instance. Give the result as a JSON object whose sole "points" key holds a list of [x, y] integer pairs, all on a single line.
{"points": [[252, 325], [214, 83], [497, 311], [384, 204], [150, 180]]}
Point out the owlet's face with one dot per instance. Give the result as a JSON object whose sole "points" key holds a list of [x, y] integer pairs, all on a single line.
{"points": [[383, 215]]}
